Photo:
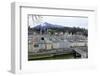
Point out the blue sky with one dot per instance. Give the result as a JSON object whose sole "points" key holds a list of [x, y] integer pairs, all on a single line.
{"points": [[64, 21]]}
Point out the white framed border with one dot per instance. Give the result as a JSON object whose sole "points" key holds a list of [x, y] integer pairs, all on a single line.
{"points": [[19, 63]]}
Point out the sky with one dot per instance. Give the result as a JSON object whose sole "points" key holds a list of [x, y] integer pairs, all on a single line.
{"points": [[81, 22]]}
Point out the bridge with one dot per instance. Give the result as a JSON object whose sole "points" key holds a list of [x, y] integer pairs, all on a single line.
{"points": [[81, 52]]}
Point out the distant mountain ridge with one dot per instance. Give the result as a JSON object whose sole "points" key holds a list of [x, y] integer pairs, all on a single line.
{"points": [[46, 25]]}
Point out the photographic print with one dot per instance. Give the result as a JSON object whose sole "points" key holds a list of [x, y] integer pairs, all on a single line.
{"points": [[52, 37]]}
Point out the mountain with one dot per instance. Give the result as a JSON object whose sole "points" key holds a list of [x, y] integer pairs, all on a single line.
{"points": [[46, 25]]}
